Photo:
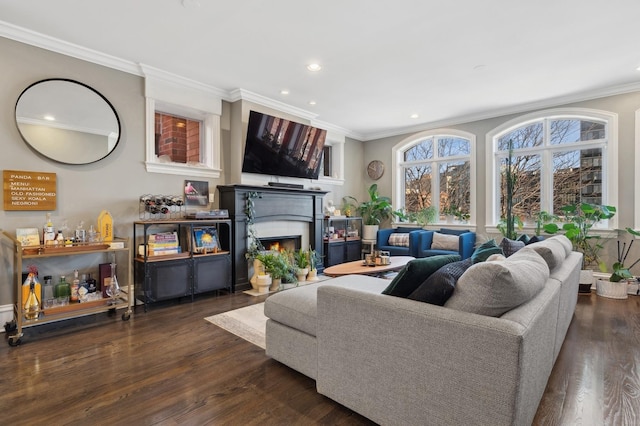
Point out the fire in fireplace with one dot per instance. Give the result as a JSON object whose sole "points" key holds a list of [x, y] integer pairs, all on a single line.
{"points": [[289, 243]]}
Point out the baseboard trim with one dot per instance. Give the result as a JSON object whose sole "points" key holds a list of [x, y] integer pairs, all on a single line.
{"points": [[6, 315]]}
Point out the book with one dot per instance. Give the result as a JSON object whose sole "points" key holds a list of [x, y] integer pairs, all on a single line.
{"points": [[28, 236]]}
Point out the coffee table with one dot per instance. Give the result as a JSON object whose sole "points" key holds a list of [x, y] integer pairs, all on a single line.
{"points": [[358, 267]]}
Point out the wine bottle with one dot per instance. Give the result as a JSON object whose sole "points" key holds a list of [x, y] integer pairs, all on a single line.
{"points": [[32, 304]]}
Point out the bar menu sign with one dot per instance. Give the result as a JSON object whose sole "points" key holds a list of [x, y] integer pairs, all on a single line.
{"points": [[29, 190]]}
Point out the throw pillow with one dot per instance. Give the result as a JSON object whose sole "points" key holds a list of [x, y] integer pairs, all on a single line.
{"points": [[510, 246], [453, 231], [399, 239], [535, 239], [485, 250], [415, 272], [445, 242], [439, 286], [493, 288], [524, 238]]}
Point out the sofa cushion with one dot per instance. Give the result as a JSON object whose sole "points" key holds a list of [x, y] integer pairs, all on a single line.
{"points": [[551, 251], [439, 286], [493, 288], [415, 272], [399, 239], [509, 247], [445, 242], [486, 249], [449, 231], [566, 242]]}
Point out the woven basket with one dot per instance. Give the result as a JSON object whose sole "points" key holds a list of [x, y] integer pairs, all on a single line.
{"points": [[611, 290]]}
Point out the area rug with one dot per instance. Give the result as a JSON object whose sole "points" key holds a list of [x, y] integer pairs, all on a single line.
{"points": [[248, 323]]}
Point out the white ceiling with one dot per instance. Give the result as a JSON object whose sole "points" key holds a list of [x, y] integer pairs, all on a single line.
{"points": [[448, 61]]}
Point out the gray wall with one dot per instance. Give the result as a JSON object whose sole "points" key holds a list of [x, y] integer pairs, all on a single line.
{"points": [[624, 105], [116, 182]]}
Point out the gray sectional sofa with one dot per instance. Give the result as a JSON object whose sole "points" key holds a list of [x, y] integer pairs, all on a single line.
{"points": [[401, 361]]}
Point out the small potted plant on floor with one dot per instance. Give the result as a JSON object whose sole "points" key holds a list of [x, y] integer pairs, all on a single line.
{"points": [[616, 286], [301, 260], [314, 260]]}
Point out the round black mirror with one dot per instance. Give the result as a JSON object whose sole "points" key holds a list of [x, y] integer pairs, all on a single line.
{"points": [[67, 121]]}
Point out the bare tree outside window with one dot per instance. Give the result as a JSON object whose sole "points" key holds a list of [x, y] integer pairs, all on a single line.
{"points": [[449, 155], [576, 172]]}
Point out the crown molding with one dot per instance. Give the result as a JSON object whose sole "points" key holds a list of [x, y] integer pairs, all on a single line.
{"points": [[245, 95], [515, 109], [53, 44], [148, 71]]}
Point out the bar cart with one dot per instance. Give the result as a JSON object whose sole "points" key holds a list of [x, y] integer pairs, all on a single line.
{"points": [[60, 260]]}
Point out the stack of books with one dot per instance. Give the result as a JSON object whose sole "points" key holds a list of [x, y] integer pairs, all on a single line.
{"points": [[163, 243]]}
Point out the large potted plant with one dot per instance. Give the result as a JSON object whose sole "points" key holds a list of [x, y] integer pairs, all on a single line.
{"points": [[616, 286], [578, 222], [373, 211]]}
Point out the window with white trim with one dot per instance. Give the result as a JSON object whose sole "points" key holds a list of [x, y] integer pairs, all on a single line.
{"points": [[435, 171], [181, 103], [558, 157]]}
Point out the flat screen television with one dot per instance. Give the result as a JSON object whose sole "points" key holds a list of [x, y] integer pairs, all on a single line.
{"points": [[280, 147]]}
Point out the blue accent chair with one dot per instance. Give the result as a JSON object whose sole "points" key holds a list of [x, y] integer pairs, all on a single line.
{"points": [[466, 242], [382, 241]]}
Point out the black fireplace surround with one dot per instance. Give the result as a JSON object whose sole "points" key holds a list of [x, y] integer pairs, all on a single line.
{"points": [[272, 204]]}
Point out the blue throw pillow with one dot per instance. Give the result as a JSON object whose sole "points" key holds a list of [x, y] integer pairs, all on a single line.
{"points": [[438, 288], [415, 272]]}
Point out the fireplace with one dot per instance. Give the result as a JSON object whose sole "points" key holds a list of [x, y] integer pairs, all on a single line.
{"points": [[278, 212], [288, 243]]}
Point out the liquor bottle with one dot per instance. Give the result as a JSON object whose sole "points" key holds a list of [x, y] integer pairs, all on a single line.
{"points": [[32, 275], [91, 284], [62, 289], [59, 239], [75, 286], [47, 291], [32, 304], [83, 290], [48, 233]]}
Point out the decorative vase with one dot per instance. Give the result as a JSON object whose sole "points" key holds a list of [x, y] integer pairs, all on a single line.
{"points": [[301, 274], [586, 281], [275, 284], [257, 268], [612, 290], [312, 275], [263, 282]]}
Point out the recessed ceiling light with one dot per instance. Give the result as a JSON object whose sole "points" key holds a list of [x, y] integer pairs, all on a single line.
{"points": [[190, 4], [312, 102], [284, 92], [49, 118], [638, 69], [414, 116], [314, 67]]}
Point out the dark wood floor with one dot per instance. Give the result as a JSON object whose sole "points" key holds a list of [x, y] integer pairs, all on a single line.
{"points": [[169, 366]]}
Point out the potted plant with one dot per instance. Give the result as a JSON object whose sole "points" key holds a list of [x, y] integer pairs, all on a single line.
{"points": [[301, 260], [578, 222], [373, 211], [314, 260], [425, 216], [278, 266], [616, 286]]}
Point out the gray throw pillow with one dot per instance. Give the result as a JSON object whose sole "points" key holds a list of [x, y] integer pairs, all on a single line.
{"points": [[415, 272], [509, 247], [440, 285], [493, 288]]}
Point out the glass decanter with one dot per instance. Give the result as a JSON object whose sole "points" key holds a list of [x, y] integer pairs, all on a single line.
{"points": [[113, 291]]}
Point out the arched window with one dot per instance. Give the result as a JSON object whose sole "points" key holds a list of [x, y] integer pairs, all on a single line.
{"points": [[434, 171], [558, 157]]}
